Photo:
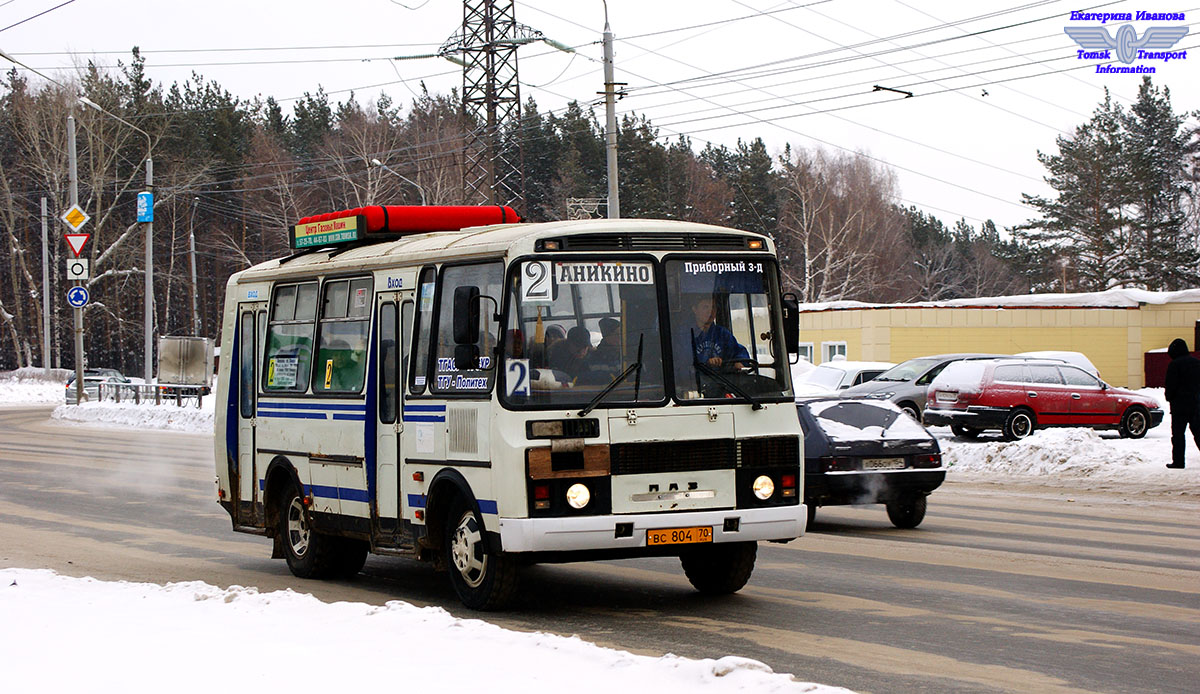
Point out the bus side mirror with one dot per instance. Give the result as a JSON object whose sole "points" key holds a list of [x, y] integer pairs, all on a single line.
{"points": [[466, 357], [466, 316], [791, 323]]}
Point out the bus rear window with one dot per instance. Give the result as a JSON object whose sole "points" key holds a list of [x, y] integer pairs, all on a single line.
{"points": [[290, 338]]}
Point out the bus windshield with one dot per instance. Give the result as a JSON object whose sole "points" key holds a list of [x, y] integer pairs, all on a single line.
{"points": [[725, 339], [574, 327]]}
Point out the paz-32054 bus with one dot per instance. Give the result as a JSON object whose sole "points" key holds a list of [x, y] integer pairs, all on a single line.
{"points": [[447, 384]]}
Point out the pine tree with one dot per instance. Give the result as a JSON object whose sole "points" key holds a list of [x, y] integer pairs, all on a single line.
{"points": [[1156, 149], [1088, 224]]}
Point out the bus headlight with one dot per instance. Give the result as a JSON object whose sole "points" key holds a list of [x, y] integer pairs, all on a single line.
{"points": [[763, 487], [578, 495]]}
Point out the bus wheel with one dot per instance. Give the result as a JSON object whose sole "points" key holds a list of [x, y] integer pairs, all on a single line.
{"points": [[308, 554], [720, 569], [483, 579]]}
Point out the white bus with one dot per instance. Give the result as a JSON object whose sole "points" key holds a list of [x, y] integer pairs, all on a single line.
{"points": [[444, 384]]}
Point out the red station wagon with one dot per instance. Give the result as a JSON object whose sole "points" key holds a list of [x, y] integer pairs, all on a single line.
{"points": [[1019, 396]]}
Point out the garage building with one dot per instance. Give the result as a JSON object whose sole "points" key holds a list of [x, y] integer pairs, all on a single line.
{"points": [[1115, 329]]}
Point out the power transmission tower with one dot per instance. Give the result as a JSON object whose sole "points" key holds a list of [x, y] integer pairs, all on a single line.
{"points": [[487, 47]]}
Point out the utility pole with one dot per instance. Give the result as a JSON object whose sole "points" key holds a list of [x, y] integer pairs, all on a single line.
{"points": [[74, 179], [192, 243], [610, 121], [149, 345], [45, 292]]}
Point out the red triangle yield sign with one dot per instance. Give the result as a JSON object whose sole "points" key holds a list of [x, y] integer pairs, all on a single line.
{"points": [[76, 241]]}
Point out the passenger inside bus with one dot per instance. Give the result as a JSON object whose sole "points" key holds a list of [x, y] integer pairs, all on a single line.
{"points": [[570, 355]]}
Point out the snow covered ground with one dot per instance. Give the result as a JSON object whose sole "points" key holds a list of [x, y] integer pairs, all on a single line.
{"points": [[139, 637]]}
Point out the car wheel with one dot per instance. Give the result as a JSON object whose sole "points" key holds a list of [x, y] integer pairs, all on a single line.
{"points": [[964, 431], [1020, 424], [911, 410], [812, 514], [483, 579], [1134, 424], [719, 569], [908, 511]]}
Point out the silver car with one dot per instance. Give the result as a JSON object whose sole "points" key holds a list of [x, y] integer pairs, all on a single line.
{"points": [[906, 383], [92, 378]]}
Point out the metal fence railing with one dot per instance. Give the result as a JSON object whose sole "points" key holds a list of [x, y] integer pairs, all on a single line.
{"points": [[158, 393]]}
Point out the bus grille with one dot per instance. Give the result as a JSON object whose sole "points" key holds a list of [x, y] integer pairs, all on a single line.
{"points": [[711, 454]]}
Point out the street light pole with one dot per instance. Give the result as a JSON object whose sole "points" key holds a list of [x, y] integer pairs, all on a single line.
{"points": [[401, 176], [192, 243], [610, 121], [148, 345]]}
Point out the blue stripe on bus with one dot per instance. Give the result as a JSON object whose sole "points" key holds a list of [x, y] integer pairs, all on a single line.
{"points": [[485, 505], [312, 406], [292, 415], [424, 418], [351, 417], [425, 408]]}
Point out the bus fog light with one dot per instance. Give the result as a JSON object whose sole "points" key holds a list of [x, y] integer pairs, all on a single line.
{"points": [[763, 487], [578, 495]]}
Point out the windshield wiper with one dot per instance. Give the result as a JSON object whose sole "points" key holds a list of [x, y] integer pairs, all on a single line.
{"points": [[636, 366], [755, 404]]}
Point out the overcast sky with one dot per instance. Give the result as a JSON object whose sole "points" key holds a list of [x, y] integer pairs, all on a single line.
{"points": [[789, 71]]}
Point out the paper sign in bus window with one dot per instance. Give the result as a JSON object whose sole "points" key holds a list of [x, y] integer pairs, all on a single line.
{"points": [[537, 287], [281, 372]]}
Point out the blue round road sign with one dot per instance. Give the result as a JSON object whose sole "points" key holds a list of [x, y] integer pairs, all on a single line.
{"points": [[77, 297]]}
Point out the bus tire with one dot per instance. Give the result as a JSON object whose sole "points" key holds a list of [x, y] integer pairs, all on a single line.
{"points": [[351, 555], [483, 579], [309, 554], [719, 569]]}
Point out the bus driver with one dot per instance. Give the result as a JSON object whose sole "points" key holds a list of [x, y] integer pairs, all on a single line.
{"points": [[713, 344]]}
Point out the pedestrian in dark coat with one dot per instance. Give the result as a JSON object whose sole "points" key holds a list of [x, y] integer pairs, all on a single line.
{"points": [[1183, 394]]}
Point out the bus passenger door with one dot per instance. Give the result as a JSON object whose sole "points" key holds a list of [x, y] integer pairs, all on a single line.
{"points": [[249, 349], [395, 320]]}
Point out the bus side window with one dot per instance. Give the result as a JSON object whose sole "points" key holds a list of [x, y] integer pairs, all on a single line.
{"points": [[342, 342], [488, 278], [290, 338], [420, 362], [389, 363]]}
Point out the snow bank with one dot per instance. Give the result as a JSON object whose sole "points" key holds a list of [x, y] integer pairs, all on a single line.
{"points": [[1077, 458], [188, 418], [192, 637], [31, 386]]}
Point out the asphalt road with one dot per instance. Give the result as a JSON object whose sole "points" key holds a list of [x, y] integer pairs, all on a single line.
{"points": [[1002, 589]]}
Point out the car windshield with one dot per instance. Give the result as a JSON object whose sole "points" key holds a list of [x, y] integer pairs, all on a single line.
{"points": [[576, 326], [725, 340], [907, 371], [857, 420], [826, 377]]}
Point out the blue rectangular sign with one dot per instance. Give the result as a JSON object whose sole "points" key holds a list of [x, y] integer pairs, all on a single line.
{"points": [[145, 207]]}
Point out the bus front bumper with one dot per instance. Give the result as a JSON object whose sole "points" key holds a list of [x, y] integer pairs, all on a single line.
{"points": [[629, 531]]}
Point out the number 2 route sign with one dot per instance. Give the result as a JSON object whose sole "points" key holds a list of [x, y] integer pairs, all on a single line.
{"points": [[77, 297]]}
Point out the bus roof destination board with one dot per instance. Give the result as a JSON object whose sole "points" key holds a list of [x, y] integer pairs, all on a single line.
{"points": [[327, 232]]}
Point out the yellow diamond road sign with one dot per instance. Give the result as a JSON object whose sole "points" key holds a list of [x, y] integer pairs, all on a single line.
{"points": [[75, 217]]}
